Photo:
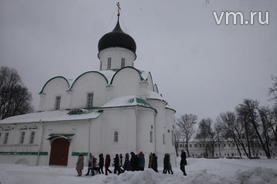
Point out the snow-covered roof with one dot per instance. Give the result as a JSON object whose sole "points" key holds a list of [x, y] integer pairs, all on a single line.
{"points": [[49, 116], [154, 95], [127, 101]]}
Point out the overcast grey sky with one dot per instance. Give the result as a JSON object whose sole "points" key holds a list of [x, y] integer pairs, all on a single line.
{"points": [[200, 67]]}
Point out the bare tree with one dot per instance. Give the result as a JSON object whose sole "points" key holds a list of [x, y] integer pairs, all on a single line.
{"points": [[206, 134], [248, 112], [273, 89], [15, 98], [231, 129], [186, 127]]}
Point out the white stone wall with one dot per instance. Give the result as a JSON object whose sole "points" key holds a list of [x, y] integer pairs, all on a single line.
{"points": [[116, 53], [55, 87], [90, 82], [164, 121]]}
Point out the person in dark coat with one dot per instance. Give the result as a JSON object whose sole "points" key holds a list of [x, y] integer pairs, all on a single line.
{"points": [[141, 161], [183, 162], [80, 164], [150, 160], [107, 164], [120, 160], [101, 163], [90, 165], [154, 162], [126, 165], [167, 164], [117, 165], [95, 167], [133, 161]]}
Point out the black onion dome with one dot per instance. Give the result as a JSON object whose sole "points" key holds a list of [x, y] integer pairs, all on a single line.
{"points": [[117, 38]]}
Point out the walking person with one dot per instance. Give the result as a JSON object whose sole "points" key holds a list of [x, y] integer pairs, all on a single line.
{"points": [[167, 164], [126, 165], [107, 164], [95, 168], [80, 164], [117, 169], [141, 161], [101, 163], [90, 165], [120, 160], [183, 162], [154, 162], [133, 161], [150, 160]]}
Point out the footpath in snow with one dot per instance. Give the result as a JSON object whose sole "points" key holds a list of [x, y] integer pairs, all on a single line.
{"points": [[200, 171]]}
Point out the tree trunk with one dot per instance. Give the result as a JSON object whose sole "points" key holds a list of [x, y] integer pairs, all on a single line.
{"points": [[267, 153]]}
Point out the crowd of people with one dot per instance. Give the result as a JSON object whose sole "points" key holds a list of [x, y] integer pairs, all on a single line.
{"points": [[135, 163]]}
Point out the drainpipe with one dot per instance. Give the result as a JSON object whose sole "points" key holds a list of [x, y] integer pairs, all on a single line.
{"points": [[41, 141], [89, 135]]}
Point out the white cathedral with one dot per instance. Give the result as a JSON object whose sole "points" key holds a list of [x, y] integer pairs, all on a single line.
{"points": [[117, 109]]}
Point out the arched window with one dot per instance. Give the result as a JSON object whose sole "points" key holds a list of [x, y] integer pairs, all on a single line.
{"points": [[115, 136], [58, 102], [123, 62], [109, 64], [32, 137], [151, 136], [22, 136], [90, 100], [6, 138]]}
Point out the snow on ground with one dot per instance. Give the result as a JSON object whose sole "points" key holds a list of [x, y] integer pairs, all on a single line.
{"points": [[200, 171]]}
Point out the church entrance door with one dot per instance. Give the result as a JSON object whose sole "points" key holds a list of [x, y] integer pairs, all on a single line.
{"points": [[59, 152]]}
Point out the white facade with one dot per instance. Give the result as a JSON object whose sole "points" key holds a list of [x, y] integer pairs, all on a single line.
{"points": [[114, 110]]}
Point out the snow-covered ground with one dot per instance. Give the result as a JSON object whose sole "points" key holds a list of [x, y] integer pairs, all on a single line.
{"points": [[200, 171]]}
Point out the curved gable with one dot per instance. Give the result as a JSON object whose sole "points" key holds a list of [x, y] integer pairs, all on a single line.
{"points": [[150, 80], [87, 73], [53, 78], [130, 67]]}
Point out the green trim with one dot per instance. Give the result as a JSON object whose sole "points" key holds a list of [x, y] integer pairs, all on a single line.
{"points": [[87, 73], [78, 153], [24, 153], [62, 77], [171, 109], [142, 101], [152, 81], [131, 67]]}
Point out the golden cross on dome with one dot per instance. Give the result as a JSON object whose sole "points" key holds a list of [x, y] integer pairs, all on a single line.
{"points": [[118, 9]]}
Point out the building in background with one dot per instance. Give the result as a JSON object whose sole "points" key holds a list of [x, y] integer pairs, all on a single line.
{"points": [[223, 149]]}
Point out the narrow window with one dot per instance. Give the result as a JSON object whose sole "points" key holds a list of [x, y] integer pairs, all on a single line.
{"points": [[22, 136], [109, 63], [115, 136], [58, 102], [122, 62], [90, 100], [32, 137], [163, 139], [6, 138], [151, 136]]}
